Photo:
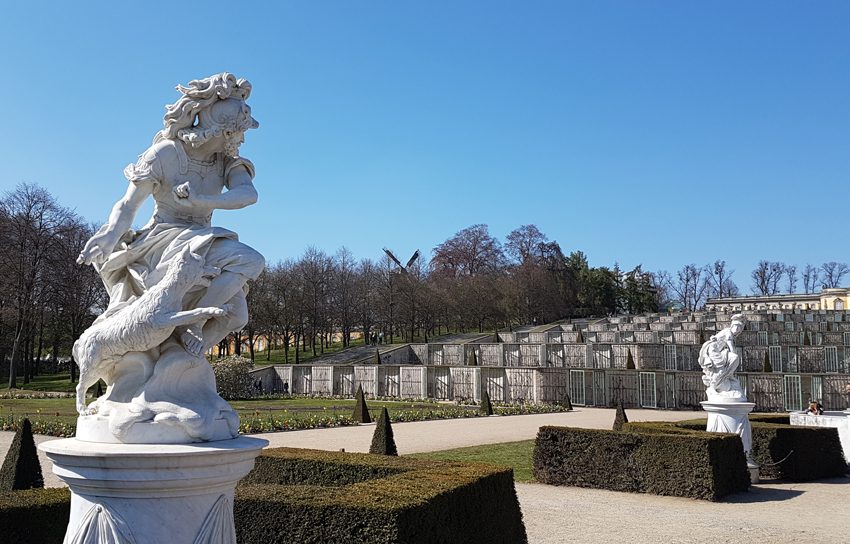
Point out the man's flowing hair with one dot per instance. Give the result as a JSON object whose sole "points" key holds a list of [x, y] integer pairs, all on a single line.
{"points": [[197, 96]]}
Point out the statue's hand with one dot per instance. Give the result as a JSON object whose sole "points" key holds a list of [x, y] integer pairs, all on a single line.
{"points": [[97, 249], [182, 196]]}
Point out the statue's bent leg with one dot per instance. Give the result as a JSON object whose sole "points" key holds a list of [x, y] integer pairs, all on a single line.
{"points": [[238, 263]]}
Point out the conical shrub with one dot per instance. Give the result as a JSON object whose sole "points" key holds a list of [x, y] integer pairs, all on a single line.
{"points": [[99, 392], [579, 338], [767, 367], [21, 468], [630, 361], [383, 442], [486, 407], [566, 403], [377, 356], [361, 411], [620, 418], [471, 359]]}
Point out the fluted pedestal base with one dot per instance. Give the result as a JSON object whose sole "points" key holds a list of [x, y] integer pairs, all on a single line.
{"points": [[152, 493], [732, 417]]}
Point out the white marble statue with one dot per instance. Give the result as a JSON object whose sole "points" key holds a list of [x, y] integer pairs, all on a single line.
{"points": [[149, 346], [719, 362]]}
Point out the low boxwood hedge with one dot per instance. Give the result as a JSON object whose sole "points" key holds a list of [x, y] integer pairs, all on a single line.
{"points": [[34, 516], [680, 463], [307, 496], [790, 452], [315, 496]]}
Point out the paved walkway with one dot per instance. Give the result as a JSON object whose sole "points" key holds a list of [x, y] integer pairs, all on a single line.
{"points": [[769, 513]]}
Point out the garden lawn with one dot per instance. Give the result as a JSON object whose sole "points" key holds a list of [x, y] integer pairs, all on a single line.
{"points": [[517, 455]]}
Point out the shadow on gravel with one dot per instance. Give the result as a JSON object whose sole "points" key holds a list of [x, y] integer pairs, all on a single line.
{"points": [[762, 494]]}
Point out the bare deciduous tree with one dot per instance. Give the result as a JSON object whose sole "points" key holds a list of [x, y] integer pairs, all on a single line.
{"points": [[766, 277], [832, 273], [810, 278]]}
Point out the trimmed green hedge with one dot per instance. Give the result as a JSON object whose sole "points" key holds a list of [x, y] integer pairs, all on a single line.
{"points": [[307, 496], [790, 452], [681, 463], [34, 516], [360, 498]]}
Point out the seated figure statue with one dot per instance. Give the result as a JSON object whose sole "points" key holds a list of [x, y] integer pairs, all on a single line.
{"points": [[186, 170], [719, 361]]}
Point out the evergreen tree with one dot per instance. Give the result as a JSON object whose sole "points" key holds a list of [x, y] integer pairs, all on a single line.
{"points": [[567, 403], [383, 442], [807, 340], [620, 418], [377, 356], [579, 338], [361, 411], [630, 361], [99, 391], [21, 468], [471, 359], [767, 367], [486, 407]]}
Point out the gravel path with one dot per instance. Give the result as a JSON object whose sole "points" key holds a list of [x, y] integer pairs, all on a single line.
{"points": [[769, 513]]}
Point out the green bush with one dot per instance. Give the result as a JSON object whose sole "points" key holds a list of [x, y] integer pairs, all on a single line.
{"points": [[684, 464], [630, 361], [486, 407], [383, 442], [34, 516], [233, 378], [790, 452], [305, 496], [361, 411], [620, 417], [21, 468]]}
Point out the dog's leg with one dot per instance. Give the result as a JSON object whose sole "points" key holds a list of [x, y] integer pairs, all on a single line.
{"points": [[187, 317]]}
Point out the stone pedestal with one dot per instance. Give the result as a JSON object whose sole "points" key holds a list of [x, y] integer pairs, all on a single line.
{"points": [[152, 493], [732, 417]]}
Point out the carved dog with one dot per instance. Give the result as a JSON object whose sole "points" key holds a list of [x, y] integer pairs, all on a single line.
{"points": [[144, 324]]}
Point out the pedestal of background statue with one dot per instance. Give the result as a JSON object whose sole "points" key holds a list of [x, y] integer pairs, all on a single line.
{"points": [[152, 493], [733, 417]]}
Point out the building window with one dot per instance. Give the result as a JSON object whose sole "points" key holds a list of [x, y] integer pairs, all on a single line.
{"points": [[762, 338], [830, 357], [647, 390], [793, 393], [670, 357], [776, 358], [577, 387]]}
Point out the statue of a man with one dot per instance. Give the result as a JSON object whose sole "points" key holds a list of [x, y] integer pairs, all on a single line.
{"points": [[192, 160], [719, 361], [192, 168]]}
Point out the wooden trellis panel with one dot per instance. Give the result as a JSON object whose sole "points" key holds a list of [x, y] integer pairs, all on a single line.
{"points": [[494, 382], [367, 378], [767, 391], [388, 381], [413, 378], [463, 383], [623, 385], [575, 355], [552, 385], [690, 390], [344, 381], [490, 355], [322, 380], [555, 355], [520, 384]]}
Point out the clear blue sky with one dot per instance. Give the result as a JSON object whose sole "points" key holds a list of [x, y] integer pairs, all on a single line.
{"points": [[660, 133]]}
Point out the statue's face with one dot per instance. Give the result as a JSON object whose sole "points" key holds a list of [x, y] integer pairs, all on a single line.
{"points": [[230, 115], [736, 328]]}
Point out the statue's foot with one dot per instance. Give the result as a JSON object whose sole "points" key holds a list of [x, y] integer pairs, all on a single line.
{"points": [[193, 340]]}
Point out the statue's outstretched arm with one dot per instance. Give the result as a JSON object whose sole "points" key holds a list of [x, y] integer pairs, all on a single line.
{"points": [[99, 246]]}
